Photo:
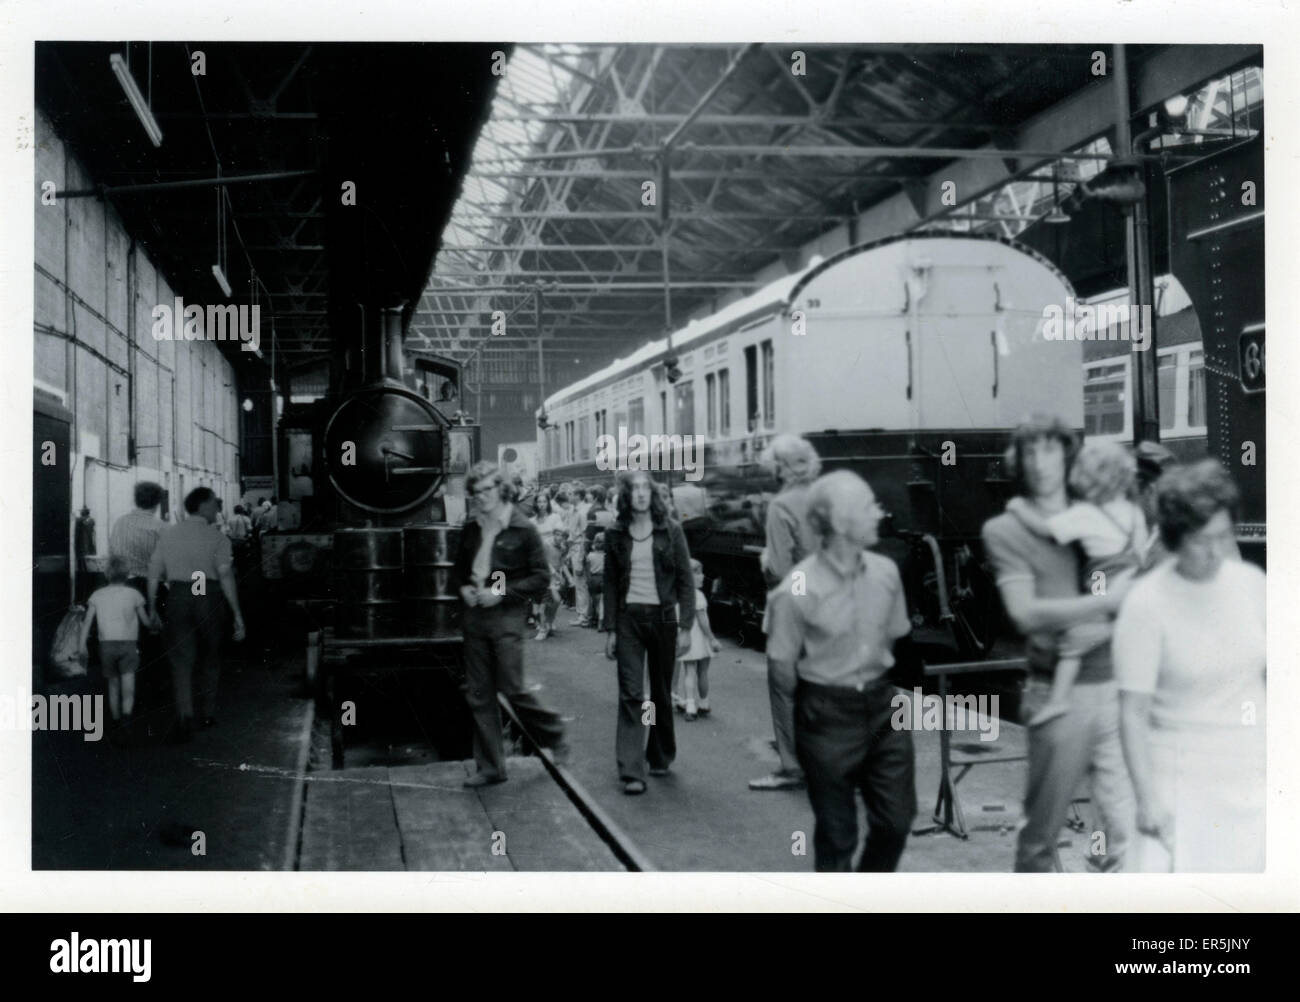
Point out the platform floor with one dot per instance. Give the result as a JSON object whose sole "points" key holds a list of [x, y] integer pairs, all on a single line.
{"points": [[247, 784], [420, 817], [100, 807], [703, 816]]}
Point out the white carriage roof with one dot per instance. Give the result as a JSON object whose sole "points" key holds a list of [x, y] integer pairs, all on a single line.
{"points": [[770, 296]]}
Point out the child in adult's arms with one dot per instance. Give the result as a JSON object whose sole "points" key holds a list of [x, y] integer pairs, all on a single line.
{"points": [[1107, 523]]}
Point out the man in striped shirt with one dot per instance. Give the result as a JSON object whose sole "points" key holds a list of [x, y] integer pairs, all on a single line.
{"points": [[134, 537], [135, 534]]}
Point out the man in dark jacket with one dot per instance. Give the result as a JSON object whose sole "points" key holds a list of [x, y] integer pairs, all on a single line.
{"points": [[500, 568]]}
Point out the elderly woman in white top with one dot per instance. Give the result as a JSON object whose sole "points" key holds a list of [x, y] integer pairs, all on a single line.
{"points": [[1189, 654]]}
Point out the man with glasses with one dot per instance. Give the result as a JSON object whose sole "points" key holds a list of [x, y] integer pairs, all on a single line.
{"points": [[500, 568]]}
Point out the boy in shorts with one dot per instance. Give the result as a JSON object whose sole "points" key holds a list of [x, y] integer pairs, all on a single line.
{"points": [[119, 610]]}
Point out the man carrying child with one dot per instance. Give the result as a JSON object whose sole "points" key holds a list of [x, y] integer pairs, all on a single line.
{"points": [[1039, 580]]}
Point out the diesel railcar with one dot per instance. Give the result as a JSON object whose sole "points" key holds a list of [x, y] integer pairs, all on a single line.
{"points": [[906, 360]]}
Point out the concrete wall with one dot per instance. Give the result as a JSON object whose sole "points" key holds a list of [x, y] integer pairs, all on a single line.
{"points": [[95, 353]]}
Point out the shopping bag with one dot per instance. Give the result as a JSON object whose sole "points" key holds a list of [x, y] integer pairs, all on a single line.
{"points": [[65, 652]]}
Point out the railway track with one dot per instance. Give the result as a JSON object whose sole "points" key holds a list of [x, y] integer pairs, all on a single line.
{"points": [[341, 815]]}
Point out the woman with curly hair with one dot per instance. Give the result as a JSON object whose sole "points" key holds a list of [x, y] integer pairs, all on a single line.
{"points": [[1189, 650], [649, 611], [1109, 526]]}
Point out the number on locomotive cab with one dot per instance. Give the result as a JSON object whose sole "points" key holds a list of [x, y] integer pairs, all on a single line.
{"points": [[1250, 351]]}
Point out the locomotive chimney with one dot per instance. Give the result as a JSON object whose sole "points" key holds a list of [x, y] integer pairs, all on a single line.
{"points": [[391, 319], [381, 344]]}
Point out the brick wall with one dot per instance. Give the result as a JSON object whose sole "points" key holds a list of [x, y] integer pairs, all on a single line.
{"points": [[95, 353]]}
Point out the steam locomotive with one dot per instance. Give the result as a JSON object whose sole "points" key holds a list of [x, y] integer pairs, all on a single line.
{"points": [[374, 477], [905, 360]]}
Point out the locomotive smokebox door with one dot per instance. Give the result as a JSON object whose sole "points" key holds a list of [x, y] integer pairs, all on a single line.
{"points": [[386, 449]]}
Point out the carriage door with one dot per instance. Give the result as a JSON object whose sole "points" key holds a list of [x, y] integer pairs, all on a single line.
{"points": [[951, 308]]}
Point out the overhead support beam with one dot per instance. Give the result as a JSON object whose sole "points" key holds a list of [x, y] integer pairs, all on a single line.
{"points": [[549, 273], [707, 97], [597, 248], [1067, 125], [633, 214], [156, 186], [687, 174], [757, 121], [849, 152], [602, 289]]}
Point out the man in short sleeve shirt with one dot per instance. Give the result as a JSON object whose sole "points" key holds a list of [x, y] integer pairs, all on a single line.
{"points": [[194, 559], [1039, 581], [833, 624]]}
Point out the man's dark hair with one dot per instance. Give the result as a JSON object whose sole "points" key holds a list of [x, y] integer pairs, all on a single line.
{"points": [[1033, 429], [598, 494], [197, 497], [1187, 497], [148, 495], [658, 510]]}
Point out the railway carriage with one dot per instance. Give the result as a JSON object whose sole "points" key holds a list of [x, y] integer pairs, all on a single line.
{"points": [[906, 360]]}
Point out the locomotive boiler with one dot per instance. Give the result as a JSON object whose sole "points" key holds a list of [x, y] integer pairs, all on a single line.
{"points": [[906, 360]]}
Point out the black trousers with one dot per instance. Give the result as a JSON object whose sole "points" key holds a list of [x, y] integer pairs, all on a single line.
{"points": [[845, 744], [192, 634], [494, 663], [645, 634]]}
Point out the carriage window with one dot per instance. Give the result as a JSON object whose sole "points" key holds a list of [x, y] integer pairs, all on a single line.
{"points": [[636, 416], [1166, 375], [751, 388], [724, 402], [711, 404], [684, 404], [769, 385], [1196, 389], [1103, 399], [584, 440], [663, 410]]}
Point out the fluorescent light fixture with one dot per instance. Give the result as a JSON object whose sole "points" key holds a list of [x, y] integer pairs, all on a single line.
{"points": [[220, 276], [137, 100], [1057, 215]]}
